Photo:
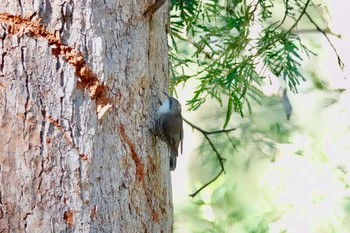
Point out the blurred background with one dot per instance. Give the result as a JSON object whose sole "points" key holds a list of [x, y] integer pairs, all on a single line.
{"points": [[280, 175]]}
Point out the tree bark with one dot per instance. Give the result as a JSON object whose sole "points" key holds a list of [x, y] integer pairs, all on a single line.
{"points": [[79, 82]]}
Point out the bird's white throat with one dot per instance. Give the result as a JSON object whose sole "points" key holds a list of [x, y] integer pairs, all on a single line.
{"points": [[165, 108]]}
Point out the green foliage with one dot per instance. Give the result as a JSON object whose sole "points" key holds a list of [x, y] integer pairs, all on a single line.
{"points": [[235, 199], [275, 171], [230, 47]]}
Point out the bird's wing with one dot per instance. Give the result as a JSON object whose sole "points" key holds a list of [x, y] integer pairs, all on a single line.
{"points": [[181, 135]]}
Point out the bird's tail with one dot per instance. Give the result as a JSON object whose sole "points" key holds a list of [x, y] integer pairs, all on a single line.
{"points": [[173, 157]]}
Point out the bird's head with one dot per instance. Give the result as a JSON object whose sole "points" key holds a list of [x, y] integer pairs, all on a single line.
{"points": [[170, 105]]}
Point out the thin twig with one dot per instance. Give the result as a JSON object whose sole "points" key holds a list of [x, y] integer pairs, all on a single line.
{"points": [[220, 158], [340, 61], [208, 132], [205, 134], [208, 183], [302, 13], [327, 31], [285, 14], [221, 131], [233, 145]]}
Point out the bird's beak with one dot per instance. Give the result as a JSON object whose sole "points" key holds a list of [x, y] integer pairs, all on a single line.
{"points": [[166, 94], [160, 102]]}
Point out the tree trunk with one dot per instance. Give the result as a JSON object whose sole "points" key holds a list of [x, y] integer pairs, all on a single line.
{"points": [[79, 82]]}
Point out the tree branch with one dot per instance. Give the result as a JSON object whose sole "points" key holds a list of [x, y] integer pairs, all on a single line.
{"points": [[285, 13], [206, 184], [302, 13], [154, 7], [219, 157], [327, 31], [340, 61]]}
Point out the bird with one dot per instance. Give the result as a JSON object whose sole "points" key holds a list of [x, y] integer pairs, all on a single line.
{"points": [[287, 107], [169, 128]]}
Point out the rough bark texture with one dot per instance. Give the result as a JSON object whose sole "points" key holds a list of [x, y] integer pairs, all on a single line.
{"points": [[65, 166]]}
